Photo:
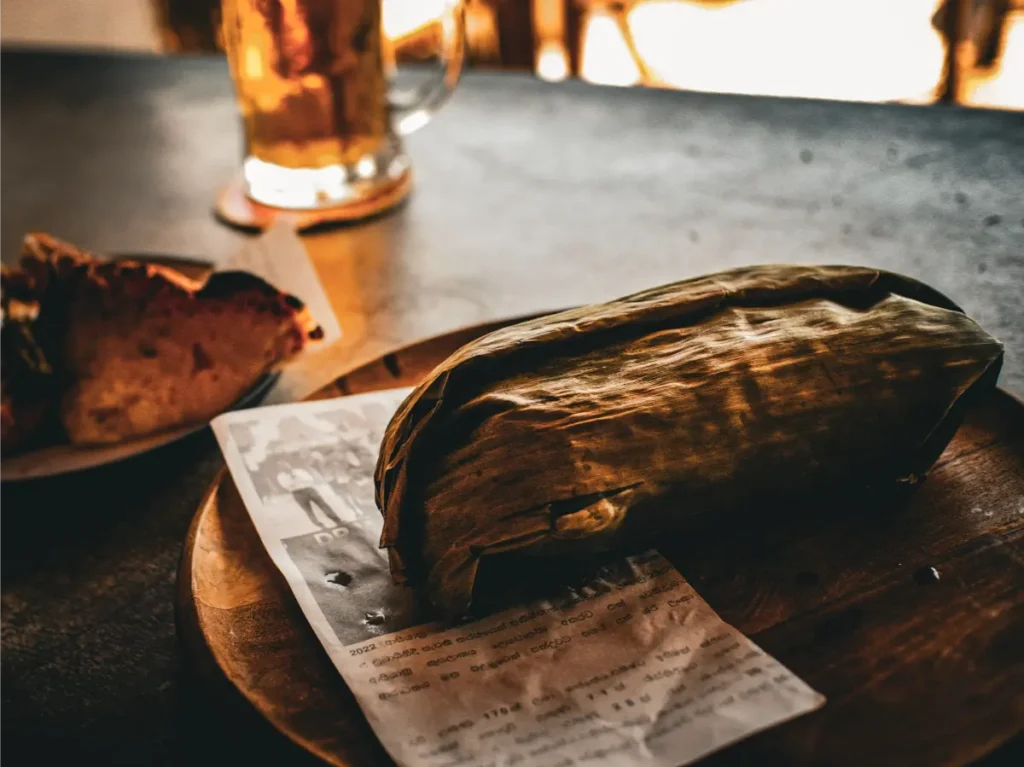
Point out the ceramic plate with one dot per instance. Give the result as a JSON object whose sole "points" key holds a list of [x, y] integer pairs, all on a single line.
{"points": [[60, 459]]}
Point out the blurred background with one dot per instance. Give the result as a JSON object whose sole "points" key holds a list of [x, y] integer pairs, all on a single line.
{"points": [[857, 50]]}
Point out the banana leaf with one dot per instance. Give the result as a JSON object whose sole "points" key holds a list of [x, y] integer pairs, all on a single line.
{"points": [[613, 426]]}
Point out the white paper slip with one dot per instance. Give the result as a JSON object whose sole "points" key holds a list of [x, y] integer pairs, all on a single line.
{"points": [[627, 667], [279, 257]]}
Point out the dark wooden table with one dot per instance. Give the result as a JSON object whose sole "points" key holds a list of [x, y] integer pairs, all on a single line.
{"points": [[529, 197]]}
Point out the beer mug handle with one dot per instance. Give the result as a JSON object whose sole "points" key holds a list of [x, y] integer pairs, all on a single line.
{"points": [[412, 108]]}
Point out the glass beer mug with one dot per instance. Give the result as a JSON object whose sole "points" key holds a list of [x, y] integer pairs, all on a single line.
{"points": [[323, 127]]}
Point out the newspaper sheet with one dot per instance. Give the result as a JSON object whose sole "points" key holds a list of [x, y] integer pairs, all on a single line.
{"points": [[628, 666]]}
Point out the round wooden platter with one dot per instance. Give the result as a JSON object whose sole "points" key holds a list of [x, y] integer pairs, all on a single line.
{"points": [[909, 616]]}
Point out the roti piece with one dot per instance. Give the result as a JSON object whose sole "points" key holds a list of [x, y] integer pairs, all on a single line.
{"points": [[25, 420], [139, 348], [28, 385]]}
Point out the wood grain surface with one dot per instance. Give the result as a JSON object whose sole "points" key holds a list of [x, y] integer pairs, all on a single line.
{"points": [[907, 615]]}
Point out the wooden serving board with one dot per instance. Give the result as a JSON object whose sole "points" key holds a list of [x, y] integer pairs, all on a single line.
{"points": [[908, 617]]}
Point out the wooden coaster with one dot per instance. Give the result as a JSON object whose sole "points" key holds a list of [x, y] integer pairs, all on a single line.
{"points": [[233, 207], [909, 618]]}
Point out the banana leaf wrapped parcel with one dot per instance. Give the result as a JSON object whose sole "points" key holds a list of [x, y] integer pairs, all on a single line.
{"points": [[616, 426]]}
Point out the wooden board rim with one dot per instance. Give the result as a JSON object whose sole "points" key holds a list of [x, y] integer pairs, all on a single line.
{"points": [[187, 614]]}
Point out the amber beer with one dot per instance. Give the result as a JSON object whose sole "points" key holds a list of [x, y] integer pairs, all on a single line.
{"points": [[310, 79]]}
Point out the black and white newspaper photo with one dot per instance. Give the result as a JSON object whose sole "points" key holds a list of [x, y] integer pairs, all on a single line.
{"points": [[309, 470]]}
